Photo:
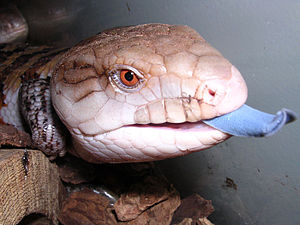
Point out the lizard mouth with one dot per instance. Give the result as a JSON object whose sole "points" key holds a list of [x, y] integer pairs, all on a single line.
{"points": [[165, 140], [244, 122], [198, 126], [148, 142]]}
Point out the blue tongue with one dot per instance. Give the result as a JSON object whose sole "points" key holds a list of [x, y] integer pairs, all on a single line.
{"points": [[249, 122]]}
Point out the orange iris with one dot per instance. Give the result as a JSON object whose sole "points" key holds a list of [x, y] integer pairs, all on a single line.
{"points": [[128, 78]]}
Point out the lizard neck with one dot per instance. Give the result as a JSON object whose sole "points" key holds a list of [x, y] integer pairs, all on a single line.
{"points": [[21, 62]]}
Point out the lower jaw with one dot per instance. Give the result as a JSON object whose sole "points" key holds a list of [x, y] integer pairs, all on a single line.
{"points": [[150, 142], [188, 137]]}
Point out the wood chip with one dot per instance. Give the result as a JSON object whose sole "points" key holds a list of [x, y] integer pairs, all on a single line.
{"points": [[151, 200], [194, 207], [75, 171], [86, 207]]}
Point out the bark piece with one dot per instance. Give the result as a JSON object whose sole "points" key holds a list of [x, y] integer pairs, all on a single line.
{"points": [[39, 192], [189, 221], [151, 200], [86, 207], [160, 213], [75, 171], [186, 221], [194, 207], [204, 221], [10, 136]]}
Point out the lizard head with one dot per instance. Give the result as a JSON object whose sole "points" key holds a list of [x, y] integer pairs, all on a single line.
{"points": [[140, 93]]}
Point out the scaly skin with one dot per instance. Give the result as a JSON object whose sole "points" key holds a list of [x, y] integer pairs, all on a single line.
{"points": [[183, 80]]}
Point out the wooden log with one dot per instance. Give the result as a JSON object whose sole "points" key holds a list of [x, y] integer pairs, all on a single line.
{"points": [[40, 191]]}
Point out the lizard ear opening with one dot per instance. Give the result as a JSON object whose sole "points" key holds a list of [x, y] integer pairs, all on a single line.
{"points": [[212, 93]]}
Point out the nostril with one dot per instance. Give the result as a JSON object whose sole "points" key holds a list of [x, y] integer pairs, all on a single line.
{"points": [[212, 93]]}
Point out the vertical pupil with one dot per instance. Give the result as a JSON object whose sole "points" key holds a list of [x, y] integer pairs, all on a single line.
{"points": [[129, 76]]}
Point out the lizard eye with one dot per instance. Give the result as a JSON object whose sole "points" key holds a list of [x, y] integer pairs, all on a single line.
{"points": [[126, 78]]}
